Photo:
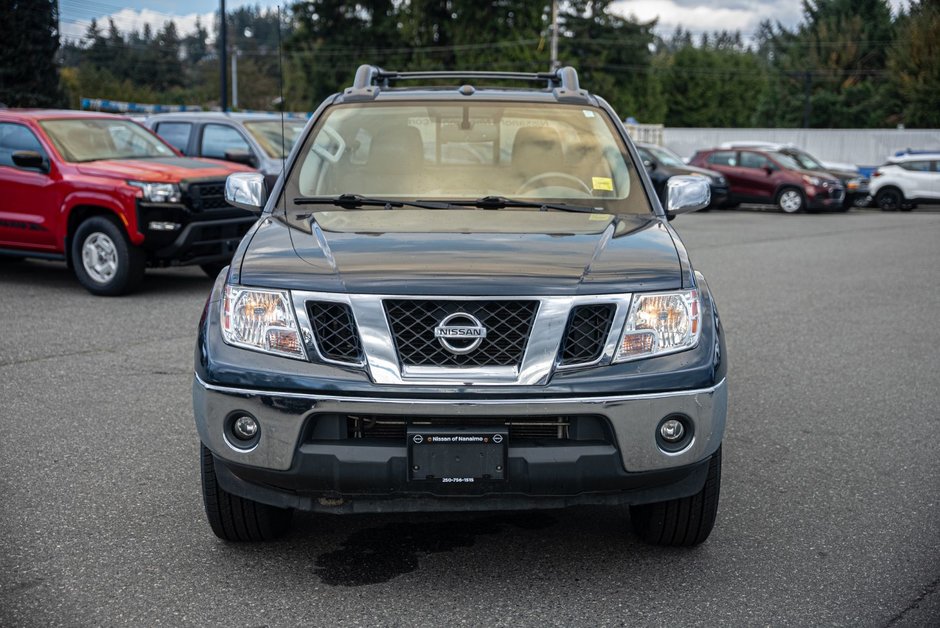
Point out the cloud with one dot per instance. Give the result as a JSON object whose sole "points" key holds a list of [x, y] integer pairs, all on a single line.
{"points": [[699, 16], [128, 20]]}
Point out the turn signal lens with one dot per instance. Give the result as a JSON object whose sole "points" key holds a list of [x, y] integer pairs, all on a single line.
{"points": [[660, 324], [262, 320]]}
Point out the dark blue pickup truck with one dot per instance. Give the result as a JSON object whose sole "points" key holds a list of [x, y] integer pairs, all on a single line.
{"points": [[463, 297]]}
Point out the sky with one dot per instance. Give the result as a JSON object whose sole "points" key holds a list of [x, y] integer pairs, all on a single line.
{"points": [[694, 15]]}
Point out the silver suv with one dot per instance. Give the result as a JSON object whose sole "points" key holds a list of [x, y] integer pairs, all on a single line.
{"points": [[253, 139]]}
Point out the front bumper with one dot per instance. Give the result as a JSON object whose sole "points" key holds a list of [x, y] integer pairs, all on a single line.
{"points": [[821, 197], [293, 465], [720, 194], [201, 238]]}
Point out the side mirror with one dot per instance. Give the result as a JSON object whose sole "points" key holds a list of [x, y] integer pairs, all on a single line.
{"points": [[241, 157], [30, 159], [686, 194], [769, 170], [649, 165], [246, 190]]}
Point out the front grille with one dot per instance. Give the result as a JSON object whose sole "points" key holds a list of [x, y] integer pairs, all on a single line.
{"points": [[335, 330], [520, 428], [586, 333], [507, 324], [200, 197]]}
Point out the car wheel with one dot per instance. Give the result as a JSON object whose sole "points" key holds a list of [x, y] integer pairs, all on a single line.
{"points": [[890, 199], [234, 518], [104, 259], [684, 521], [790, 200], [212, 270]]}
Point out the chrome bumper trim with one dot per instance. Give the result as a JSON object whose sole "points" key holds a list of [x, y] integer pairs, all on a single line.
{"points": [[253, 392], [633, 418]]}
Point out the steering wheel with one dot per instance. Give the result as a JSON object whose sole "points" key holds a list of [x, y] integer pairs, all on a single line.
{"points": [[561, 178]]}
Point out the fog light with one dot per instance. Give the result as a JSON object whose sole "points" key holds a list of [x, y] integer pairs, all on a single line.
{"points": [[672, 430], [245, 427], [164, 226]]}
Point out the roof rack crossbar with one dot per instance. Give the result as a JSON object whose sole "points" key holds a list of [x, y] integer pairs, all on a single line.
{"points": [[368, 75], [370, 79]]}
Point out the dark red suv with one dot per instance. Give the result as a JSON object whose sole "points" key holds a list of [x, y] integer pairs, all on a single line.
{"points": [[762, 176]]}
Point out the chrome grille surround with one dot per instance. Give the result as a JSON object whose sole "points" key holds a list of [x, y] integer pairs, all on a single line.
{"points": [[540, 358]]}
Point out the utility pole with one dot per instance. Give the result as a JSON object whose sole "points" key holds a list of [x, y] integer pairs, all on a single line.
{"points": [[807, 93], [235, 78], [554, 61], [223, 70]]}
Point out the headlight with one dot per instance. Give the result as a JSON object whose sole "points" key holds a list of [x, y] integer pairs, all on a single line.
{"points": [[659, 324], [812, 180], [158, 192], [262, 320]]}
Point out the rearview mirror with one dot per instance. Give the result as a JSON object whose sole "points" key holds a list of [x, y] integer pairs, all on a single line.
{"points": [[30, 159], [686, 194], [246, 190]]}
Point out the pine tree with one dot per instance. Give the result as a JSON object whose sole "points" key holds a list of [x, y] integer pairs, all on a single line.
{"points": [[29, 76]]}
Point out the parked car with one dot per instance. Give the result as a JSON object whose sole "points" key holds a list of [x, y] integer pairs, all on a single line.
{"points": [[253, 139], [907, 180], [855, 184], [662, 164], [461, 298], [761, 176], [108, 197]]}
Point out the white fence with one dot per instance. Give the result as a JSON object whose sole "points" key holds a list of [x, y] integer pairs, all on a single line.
{"points": [[863, 147]]}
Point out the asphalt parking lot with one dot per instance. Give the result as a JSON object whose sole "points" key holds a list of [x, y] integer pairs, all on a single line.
{"points": [[830, 508]]}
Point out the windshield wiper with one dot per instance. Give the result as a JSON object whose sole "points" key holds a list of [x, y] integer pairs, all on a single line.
{"points": [[501, 202], [355, 201]]}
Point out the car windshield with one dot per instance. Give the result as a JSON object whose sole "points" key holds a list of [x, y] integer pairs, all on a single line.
{"points": [[806, 160], [786, 161], [91, 139], [666, 156], [444, 151], [268, 134]]}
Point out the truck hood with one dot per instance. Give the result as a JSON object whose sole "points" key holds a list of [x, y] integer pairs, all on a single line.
{"points": [[465, 252], [161, 169]]}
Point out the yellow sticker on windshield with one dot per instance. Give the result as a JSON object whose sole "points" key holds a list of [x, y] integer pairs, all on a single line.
{"points": [[603, 183]]}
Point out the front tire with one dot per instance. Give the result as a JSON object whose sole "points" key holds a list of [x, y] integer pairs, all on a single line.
{"points": [[890, 199], [103, 258], [236, 519], [790, 200], [685, 521]]}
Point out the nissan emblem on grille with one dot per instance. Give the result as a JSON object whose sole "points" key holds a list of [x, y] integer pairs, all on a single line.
{"points": [[462, 337]]}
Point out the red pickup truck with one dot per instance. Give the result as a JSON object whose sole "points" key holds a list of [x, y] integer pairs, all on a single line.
{"points": [[110, 198]]}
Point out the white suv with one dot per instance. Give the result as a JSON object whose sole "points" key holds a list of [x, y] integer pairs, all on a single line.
{"points": [[907, 180]]}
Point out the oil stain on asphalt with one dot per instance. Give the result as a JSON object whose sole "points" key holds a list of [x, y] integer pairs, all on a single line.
{"points": [[377, 555]]}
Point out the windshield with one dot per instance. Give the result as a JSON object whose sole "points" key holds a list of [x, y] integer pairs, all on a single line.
{"points": [[92, 139], [666, 157], [450, 151], [805, 160], [268, 134], [786, 161]]}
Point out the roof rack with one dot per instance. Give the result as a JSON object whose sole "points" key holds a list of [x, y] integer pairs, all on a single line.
{"points": [[370, 80]]}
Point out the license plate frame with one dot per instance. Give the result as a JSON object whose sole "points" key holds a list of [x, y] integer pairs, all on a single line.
{"points": [[456, 456]]}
